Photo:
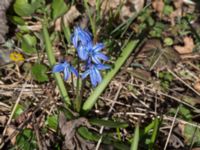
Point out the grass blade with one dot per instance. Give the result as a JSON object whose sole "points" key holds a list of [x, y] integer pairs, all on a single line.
{"points": [[155, 133], [135, 140]]}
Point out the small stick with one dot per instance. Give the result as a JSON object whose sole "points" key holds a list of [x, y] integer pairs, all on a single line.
{"points": [[14, 108], [171, 128], [183, 82]]}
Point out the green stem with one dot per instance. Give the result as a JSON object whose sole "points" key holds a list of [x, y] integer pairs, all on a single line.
{"points": [[52, 62], [136, 137], [89, 103]]}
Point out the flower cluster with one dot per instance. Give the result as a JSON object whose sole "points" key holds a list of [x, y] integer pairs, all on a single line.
{"points": [[88, 52]]}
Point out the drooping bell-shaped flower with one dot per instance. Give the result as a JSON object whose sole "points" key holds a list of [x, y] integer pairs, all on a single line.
{"points": [[66, 68], [94, 73]]}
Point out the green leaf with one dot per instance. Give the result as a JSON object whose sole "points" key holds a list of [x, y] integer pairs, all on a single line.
{"points": [[52, 122], [17, 20], [136, 138], [185, 112], [154, 134], [168, 10], [67, 33], [59, 7], [86, 134], [19, 110], [107, 139], [26, 140], [168, 41], [39, 72], [108, 123], [191, 134], [29, 43], [24, 8]]}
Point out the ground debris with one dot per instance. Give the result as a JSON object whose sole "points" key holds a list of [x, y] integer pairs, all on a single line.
{"points": [[72, 140]]}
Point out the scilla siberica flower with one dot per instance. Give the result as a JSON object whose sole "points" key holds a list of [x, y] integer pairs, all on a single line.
{"points": [[82, 40], [93, 71], [80, 37], [92, 52], [87, 51], [66, 68]]}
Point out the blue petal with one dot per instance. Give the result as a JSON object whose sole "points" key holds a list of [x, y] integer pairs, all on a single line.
{"points": [[98, 47], [102, 56], [83, 36], [82, 52], [85, 74], [102, 67], [74, 39], [66, 73], [98, 75], [95, 59], [65, 64], [58, 68], [74, 71], [93, 78]]}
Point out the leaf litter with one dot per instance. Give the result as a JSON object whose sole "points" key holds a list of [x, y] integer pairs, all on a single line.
{"points": [[148, 90]]}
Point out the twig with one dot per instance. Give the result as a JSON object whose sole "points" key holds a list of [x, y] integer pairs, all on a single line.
{"points": [[166, 95], [193, 138], [171, 128], [168, 118], [183, 82], [36, 128], [20, 127], [14, 108]]}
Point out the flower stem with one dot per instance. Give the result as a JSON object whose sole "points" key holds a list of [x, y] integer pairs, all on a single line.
{"points": [[89, 103], [52, 62]]}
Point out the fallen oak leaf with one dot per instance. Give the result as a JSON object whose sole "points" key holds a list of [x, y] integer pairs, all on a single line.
{"points": [[68, 18], [68, 130], [188, 46]]}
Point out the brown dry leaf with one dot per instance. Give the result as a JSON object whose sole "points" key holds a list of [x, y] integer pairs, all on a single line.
{"points": [[158, 6], [197, 86], [68, 130], [3, 120], [188, 46], [9, 132], [127, 10], [129, 7], [139, 4], [35, 27], [108, 5], [72, 14], [178, 4], [158, 57]]}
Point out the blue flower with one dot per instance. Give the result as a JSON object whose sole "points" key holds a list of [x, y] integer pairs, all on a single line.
{"points": [[81, 37], [66, 68], [92, 52], [93, 71]]}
